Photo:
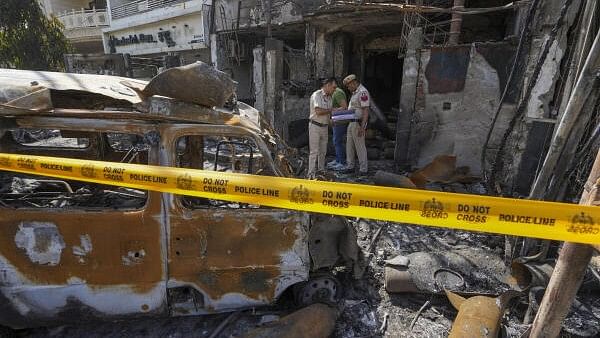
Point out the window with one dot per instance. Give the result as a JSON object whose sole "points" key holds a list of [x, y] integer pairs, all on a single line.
{"points": [[237, 154], [48, 138], [35, 191]]}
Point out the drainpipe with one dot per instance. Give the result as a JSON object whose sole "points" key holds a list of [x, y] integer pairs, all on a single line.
{"points": [[108, 13], [106, 35], [456, 23]]}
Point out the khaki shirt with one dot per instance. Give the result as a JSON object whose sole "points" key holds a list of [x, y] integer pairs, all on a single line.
{"points": [[319, 99], [360, 99]]}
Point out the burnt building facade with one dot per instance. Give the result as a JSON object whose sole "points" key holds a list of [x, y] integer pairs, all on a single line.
{"points": [[436, 77]]}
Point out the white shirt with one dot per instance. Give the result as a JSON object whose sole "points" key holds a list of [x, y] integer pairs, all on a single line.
{"points": [[321, 100]]}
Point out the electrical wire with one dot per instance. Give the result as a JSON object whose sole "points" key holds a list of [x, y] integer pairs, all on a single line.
{"points": [[518, 52], [534, 77]]}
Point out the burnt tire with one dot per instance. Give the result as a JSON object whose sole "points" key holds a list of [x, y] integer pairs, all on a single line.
{"points": [[322, 289]]}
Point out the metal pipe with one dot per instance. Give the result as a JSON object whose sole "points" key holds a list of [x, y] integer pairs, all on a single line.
{"points": [[583, 44], [478, 316], [587, 29]]}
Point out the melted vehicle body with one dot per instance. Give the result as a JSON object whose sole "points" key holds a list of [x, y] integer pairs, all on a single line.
{"points": [[72, 251]]}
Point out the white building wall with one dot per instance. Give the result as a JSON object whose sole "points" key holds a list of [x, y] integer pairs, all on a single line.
{"points": [[82, 20], [171, 35], [57, 7], [174, 28], [141, 17]]}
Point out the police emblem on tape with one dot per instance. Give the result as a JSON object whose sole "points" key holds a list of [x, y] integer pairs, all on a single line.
{"points": [[88, 170], [5, 161], [583, 224], [184, 182], [433, 209], [300, 195]]}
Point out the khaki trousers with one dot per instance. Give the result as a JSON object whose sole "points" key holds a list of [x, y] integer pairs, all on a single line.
{"points": [[317, 144], [356, 145]]}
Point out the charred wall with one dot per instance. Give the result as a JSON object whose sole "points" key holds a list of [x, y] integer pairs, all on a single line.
{"points": [[538, 111], [458, 91]]}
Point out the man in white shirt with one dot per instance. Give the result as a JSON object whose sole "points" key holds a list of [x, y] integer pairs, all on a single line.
{"points": [[318, 127], [355, 140]]}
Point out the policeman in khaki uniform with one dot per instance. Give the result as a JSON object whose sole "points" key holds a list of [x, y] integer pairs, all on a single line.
{"points": [[318, 127], [355, 139]]}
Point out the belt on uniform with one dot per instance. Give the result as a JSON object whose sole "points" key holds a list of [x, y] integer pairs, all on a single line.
{"points": [[355, 120], [318, 124]]}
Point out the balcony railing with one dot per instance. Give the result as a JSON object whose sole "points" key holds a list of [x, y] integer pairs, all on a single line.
{"points": [[140, 6], [84, 18]]}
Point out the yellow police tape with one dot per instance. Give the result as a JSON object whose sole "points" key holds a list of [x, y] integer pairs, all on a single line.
{"points": [[548, 220]]}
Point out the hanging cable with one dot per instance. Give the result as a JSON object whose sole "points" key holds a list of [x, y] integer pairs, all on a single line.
{"points": [[518, 52], [534, 77]]}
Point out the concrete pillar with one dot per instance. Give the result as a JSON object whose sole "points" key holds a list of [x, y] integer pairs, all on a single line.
{"points": [[456, 23], [258, 77], [273, 82], [108, 11], [341, 56], [214, 50], [408, 94], [323, 55]]}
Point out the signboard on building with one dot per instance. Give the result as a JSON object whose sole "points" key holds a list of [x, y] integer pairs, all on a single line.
{"points": [[171, 35]]}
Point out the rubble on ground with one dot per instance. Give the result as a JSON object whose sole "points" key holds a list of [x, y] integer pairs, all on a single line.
{"points": [[367, 309], [447, 274]]}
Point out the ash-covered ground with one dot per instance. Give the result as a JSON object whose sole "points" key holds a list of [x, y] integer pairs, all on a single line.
{"points": [[366, 308]]}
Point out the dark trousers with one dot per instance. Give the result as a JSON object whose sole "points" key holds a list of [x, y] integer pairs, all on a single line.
{"points": [[339, 137]]}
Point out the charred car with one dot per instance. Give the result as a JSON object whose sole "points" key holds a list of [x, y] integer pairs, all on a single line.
{"points": [[73, 251]]}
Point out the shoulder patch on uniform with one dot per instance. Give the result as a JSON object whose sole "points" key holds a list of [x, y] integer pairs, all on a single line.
{"points": [[364, 96]]}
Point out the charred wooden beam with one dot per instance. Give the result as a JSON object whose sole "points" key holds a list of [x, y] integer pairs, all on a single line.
{"points": [[568, 274], [344, 5]]}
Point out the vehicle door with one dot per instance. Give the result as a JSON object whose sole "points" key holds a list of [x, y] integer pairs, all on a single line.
{"points": [[225, 255], [71, 250]]}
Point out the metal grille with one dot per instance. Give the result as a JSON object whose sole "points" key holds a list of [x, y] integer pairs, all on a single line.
{"points": [[84, 18], [141, 6]]}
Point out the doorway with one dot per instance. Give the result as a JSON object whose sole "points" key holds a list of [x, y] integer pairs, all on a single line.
{"points": [[383, 78]]}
